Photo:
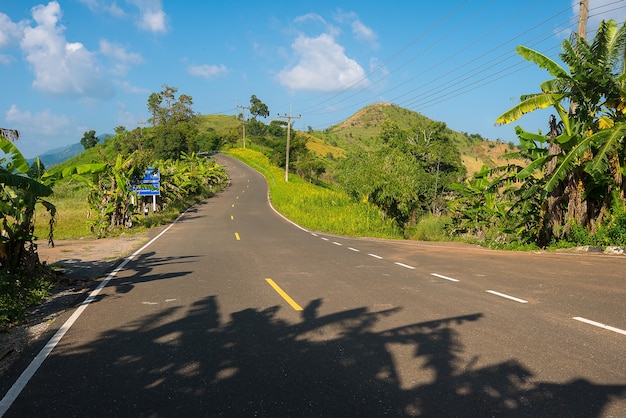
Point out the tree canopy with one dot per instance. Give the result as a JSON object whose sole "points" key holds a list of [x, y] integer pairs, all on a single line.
{"points": [[89, 139], [258, 108]]}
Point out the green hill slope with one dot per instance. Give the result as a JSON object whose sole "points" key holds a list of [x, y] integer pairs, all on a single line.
{"points": [[362, 129]]}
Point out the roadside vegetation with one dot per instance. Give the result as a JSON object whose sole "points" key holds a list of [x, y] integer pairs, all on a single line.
{"points": [[96, 195], [318, 208], [385, 172]]}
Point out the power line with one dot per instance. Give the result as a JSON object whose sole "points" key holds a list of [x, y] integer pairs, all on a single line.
{"points": [[369, 99], [467, 81]]}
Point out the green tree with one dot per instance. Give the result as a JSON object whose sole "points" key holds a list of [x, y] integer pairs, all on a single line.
{"points": [[165, 107], [582, 170], [408, 175], [258, 108], [310, 167], [175, 123], [89, 139]]}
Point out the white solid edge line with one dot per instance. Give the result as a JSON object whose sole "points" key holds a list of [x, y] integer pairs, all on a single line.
{"points": [[444, 277], [599, 325], [404, 265], [34, 365], [493, 292]]}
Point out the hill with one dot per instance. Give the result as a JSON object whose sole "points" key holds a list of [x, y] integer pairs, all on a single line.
{"points": [[362, 129], [59, 155]]}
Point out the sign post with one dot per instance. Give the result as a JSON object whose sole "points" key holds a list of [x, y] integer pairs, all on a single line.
{"points": [[150, 185]]}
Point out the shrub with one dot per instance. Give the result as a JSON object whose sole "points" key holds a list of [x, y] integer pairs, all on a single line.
{"points": [[19, 290]]}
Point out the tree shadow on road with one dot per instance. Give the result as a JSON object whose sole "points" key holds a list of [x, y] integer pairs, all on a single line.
{"points": [[197, 363]]}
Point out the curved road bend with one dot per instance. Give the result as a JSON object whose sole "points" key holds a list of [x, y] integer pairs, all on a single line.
{"points": [[234, 311]]}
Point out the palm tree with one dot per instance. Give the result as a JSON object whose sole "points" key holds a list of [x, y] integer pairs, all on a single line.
{"points": [[583, 169]]}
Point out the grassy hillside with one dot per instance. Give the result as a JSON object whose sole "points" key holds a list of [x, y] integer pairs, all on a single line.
{"points": [[362, 129], [221, 124]]}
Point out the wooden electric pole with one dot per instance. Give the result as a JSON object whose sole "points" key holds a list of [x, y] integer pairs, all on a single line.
{"points": [[583, 15], [288, 117], [243, 122]]}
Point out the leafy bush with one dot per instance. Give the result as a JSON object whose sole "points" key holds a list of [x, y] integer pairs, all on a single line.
{"points": [[610, 233], [20, 290], [430, 228], [617, 229]]}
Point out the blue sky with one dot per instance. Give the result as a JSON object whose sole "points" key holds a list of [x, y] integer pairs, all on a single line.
{"points": [[69, 66]]}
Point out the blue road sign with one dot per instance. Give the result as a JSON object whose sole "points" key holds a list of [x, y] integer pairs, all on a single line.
{"points": [[150, 184]]}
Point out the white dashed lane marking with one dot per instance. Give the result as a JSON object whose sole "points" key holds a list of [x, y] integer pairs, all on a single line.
{"points": [[502, 295], [444, 277], [599, 325]]}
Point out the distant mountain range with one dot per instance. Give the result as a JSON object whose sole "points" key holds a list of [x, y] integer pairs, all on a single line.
{"points": [[58, 155]]}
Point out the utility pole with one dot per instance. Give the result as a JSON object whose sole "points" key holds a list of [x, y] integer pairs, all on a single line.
{"points": [[243, 122], [583, 15], [141, 123], [288, 117]]}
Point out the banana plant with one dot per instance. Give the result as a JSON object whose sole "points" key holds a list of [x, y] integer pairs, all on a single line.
{"points": [[19, 195], [110, 190], [585, 161]]}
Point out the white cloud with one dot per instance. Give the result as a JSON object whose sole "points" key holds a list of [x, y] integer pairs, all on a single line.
{"points": [[61, 67], [323, 66], [315, 18], [115, 10], [97, 5], [42, 123], [310, 16], [128, 88], [364, 33], [152, 18], [207, 71], [10, 32], [123, 59], [360, 31]]}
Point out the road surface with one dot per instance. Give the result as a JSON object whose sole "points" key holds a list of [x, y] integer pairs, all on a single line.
{"points": [[235, 311]]}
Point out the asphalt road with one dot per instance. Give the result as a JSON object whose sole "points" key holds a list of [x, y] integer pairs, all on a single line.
{"points": [[235, 311]]}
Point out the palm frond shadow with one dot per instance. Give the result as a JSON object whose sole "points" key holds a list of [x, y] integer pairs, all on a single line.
{"points": [[194, 362]]}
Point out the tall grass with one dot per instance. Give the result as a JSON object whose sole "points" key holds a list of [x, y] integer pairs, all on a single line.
{"points": [[318, 208], [72, 220]]}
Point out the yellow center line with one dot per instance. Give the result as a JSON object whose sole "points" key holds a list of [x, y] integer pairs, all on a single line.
{"points": [[285, 296], [237, 236], [232, 217]]}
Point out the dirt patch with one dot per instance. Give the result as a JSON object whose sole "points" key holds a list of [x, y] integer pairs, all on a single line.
{"points": [[79, 263]]}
